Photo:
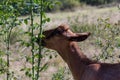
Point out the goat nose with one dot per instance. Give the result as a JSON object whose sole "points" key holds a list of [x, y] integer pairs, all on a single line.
{"points": [[42, 41], [89, 33]]}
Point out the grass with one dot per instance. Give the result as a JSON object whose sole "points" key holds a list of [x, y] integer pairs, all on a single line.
{"points": [[59, 15], [80, 21]]}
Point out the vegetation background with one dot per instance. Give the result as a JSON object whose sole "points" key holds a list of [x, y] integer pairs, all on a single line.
{"points": [[21, 21]]}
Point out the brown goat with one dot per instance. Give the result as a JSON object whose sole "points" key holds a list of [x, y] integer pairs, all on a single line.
{"points": [[64, 41]]}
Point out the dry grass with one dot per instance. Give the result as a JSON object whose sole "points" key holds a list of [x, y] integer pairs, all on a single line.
{"points": [[84, 16]]}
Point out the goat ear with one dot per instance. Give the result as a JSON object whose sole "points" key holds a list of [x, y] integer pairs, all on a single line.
{"points": [[79, 37]]}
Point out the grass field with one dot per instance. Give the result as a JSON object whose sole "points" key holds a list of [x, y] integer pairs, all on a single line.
{"points": [[92, 20]]}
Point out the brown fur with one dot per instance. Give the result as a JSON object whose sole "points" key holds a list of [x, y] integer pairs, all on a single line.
{"points": [[64, 41]]}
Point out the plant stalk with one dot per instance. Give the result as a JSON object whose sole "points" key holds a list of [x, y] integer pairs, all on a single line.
{"points": [[8, 49], [40, 40], [32, 42]]}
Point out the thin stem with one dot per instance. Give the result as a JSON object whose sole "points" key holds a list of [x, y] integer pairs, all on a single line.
{"points": [[32, 50], [7, 63], [8, 47], [40, 40], [7, 55]]}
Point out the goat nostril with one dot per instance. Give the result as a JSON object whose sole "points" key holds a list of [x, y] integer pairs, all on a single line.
{"points": [[89, 33]]}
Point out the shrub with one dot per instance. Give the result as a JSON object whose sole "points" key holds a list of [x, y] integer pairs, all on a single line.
{"points": [[97, 2], [59, 75], [68, 4]]}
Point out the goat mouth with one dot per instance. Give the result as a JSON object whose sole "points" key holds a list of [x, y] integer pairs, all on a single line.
{"points": [[43, 43]]}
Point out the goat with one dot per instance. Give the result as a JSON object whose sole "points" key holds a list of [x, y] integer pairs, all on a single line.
{"points": [[64, 41]]}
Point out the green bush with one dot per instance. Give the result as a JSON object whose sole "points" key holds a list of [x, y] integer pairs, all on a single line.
{"points": [[23, 6], [59, 75], [104, 36], [97, 2]]}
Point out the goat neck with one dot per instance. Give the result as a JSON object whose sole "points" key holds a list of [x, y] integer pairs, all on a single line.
{"points": [[73, 56]]}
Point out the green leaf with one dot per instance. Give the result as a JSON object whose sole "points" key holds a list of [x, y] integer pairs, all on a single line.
{"points": [[48, 19], [27, 73], [26, 21], [51, 6], [22, 69], [1, 23], [57, 3], [41, 36], [43, 14], [44, 67], [27, 44], [108, 25], [2, 53], [50, 57]]}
